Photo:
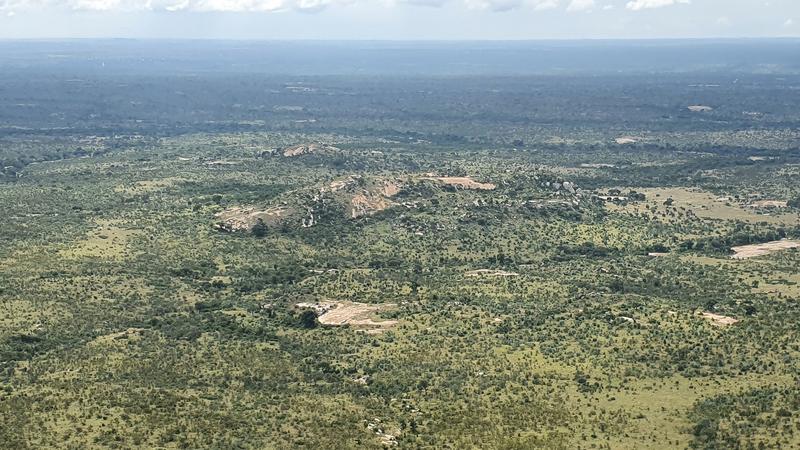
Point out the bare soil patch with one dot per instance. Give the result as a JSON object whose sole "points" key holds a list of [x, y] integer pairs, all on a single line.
{"points": [[597, 166], [490, 273], [769, 204], [719, 320], [360, 315], [753, 250]]}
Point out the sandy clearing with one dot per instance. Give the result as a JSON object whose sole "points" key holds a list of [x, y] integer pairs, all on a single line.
{"points": [[769, 204], [597, 166], [754, 250], [719, 320], [350, 313], [490, 273]]}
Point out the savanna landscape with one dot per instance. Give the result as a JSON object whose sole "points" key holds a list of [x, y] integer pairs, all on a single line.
{"points": [[306, 257]]}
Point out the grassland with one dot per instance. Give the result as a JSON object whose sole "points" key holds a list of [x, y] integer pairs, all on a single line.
{"points": [[494, 281]]}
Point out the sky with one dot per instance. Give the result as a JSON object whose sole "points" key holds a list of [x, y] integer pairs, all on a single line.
{"points": [[398, 19]]}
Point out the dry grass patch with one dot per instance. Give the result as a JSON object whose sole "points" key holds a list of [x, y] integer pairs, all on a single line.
{"points": [[241, 218], [107, 241], [769, 204], [703, 204], [462, 182], [146, 186]]}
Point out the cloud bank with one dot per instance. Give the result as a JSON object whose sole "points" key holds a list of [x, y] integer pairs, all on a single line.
{"points": [[168, 5], [241, 6], [275, 5], [637, 5]]}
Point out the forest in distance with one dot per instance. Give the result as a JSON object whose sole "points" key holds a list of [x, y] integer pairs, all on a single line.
{"points": [[347, 245]]}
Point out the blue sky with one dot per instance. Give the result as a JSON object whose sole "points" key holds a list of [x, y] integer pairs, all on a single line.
{"points": [[399, 19]]}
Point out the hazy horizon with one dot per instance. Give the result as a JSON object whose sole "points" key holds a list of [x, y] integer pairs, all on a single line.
{"points": [[131, 57], [399, 19]]}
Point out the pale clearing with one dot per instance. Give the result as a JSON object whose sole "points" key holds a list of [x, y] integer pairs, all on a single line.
{"points": [[302, 149], [753, 250], [463, 182], [362, 205], [108, 240], [719, 320], [490, 273], [769, 204], [350, 313], [244, 218], [703, 204]]}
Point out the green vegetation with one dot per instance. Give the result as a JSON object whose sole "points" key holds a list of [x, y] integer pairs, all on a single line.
{"points": [[536, 284]]}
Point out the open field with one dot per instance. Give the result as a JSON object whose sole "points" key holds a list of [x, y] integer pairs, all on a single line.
{"points": [[707, 205]]}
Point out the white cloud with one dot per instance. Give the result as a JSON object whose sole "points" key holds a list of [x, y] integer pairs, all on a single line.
{"points": [[636, 5], [433, 3], [788, 23], [171, 5], [542, 5], [494, 5], [580, 5], [489, 5], [239, 6]]}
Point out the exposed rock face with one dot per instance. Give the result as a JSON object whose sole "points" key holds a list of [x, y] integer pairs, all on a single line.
{"points": [[244, 218], [368, 203], [356, 195], [302, 149]]}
